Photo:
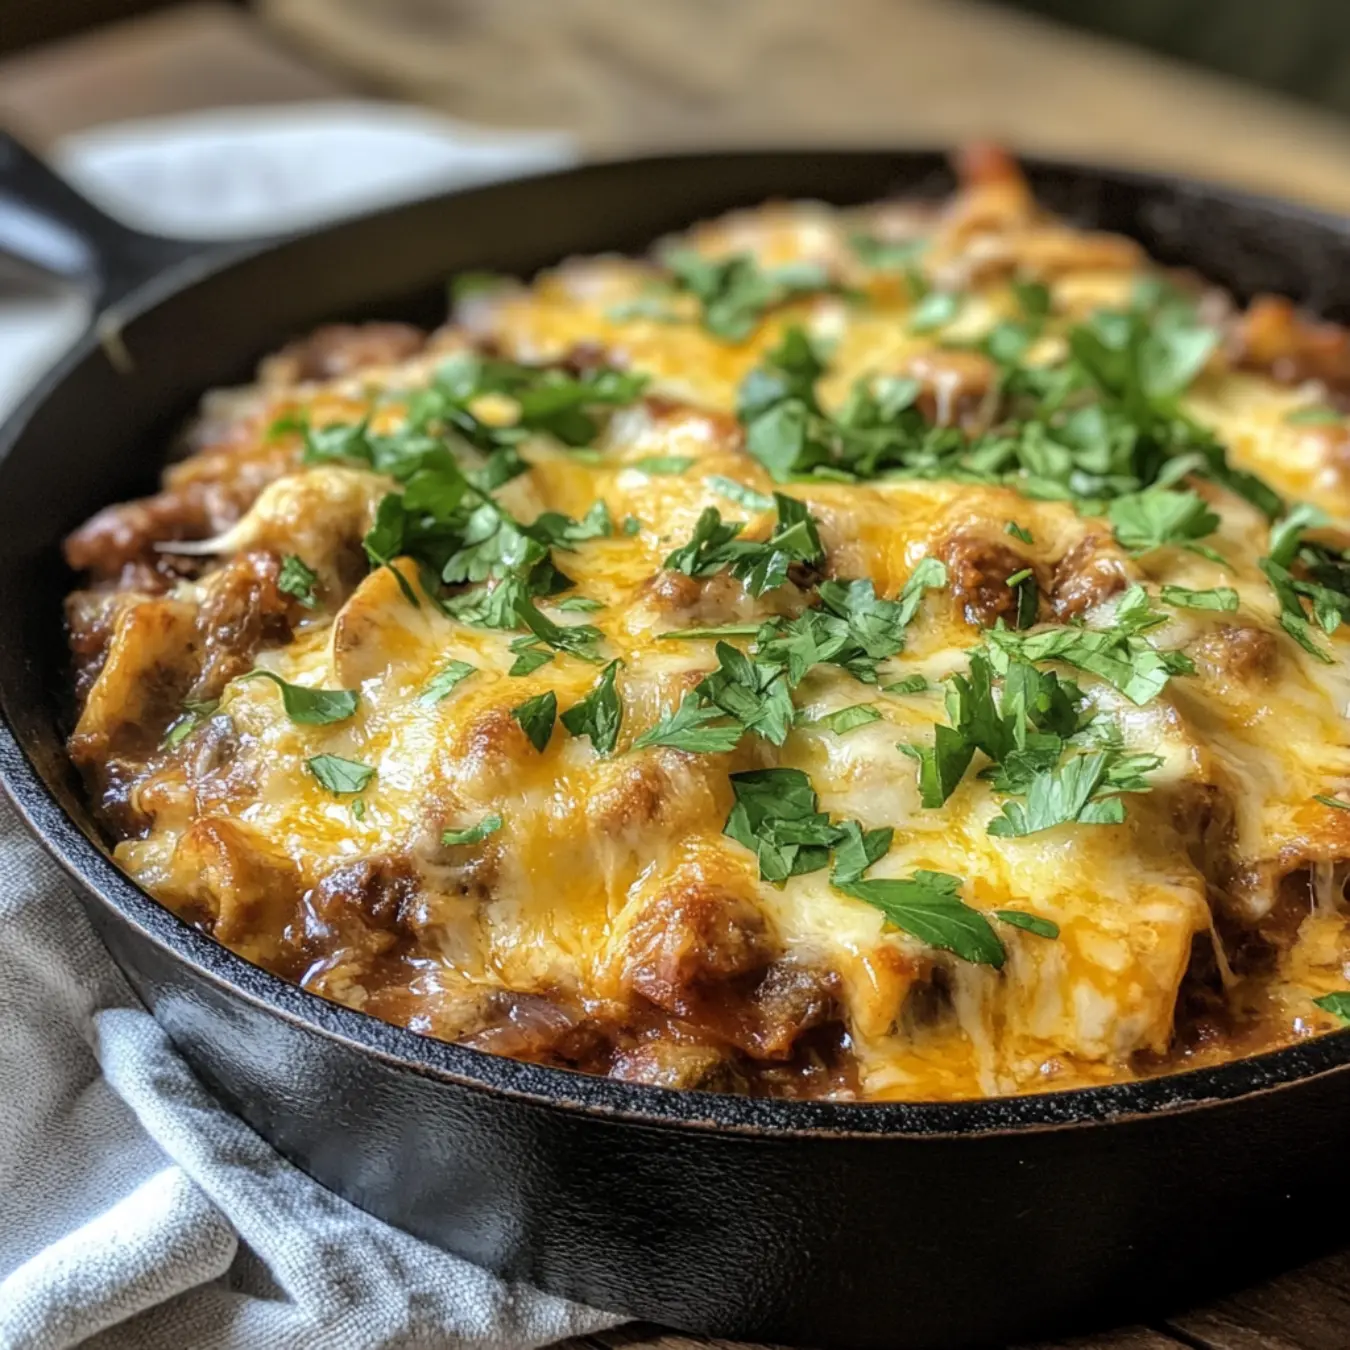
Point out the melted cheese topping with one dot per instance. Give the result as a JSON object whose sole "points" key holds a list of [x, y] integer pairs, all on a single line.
{"points": [[541, 928]]}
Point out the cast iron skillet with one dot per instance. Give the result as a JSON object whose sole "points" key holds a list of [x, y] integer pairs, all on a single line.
{"points": [[919, 1226]]}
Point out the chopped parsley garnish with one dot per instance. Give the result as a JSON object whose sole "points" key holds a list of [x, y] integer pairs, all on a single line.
{"points": [[469, 285], [1043, 743], [474, 834], [1018, 532], [1337, 802], [536, 717], [311, 707], [663, 464], [755, 692], [1101, 425], [748, 497], [928, 906], [599, 714], [911, 684], [631, 525], [1323, 578], [579, 604], [530, 655], [195, 712], [1029, 923], [885, 255], [298, 580], [846, 719], [445, 518], [776, 818], [761, 564], [707, 634], [340, 775], [935, 310], [445, 680], [735, 292], [1222, 598], [1119, 655], [692, 727], [1316, 416], [1338, 1005], [1160, 516], [1082, 788]]}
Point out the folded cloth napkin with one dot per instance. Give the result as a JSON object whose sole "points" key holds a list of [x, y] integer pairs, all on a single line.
{"points": [[137, 1211], [134, 1210]]}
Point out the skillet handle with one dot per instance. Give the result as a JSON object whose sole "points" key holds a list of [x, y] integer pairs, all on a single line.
{"points": [[49, 232]]}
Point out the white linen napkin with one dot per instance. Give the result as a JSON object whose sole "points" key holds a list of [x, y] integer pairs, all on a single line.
{"points": [[135, 1212]]}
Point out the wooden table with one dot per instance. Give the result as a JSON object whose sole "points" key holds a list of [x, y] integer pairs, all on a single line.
{"points": [[850, 71]]}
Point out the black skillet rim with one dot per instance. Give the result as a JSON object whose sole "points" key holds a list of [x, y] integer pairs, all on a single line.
{"points": [[93, 870]]}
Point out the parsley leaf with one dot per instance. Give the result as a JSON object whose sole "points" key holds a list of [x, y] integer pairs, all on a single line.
{"points": [[298, 580], [311, 707], [1018, 532], [475, 834], [599, 714], [1316, 416], [886, 255], [1075, 790], [444, 680], [1323, 578], [935, 310], [761, 564], [1119, 655], [1030, 923], [720, 631], [530, 655], [928, 906], [739, 493], [536, 716], [1338, 1005], [1159, 516], [195, 712], [735, 292], [856, 850], [1222, 598], [911, 684], [696, 729], [776, 818], [847, 719], [663, 464], [579, 604], [754, 692], [340, 775]]}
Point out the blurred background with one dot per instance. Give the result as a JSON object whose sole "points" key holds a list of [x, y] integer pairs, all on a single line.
{"points": [[218, 118], [1234, 88]]}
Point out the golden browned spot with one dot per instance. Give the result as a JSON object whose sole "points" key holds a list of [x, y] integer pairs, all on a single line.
{"points": [[342, 349], [978, 569], [1092, 571]]}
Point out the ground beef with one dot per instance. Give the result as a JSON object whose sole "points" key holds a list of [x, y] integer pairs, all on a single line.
{"points": [[693, 939], [1250, 655], [1085, 576], [244, 611], [977, 578]]}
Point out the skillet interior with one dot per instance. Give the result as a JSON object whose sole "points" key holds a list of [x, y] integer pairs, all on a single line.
{"points": [[74, 448]]}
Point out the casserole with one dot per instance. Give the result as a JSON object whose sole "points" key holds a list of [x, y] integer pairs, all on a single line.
{"points": [[511, 1163]]}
